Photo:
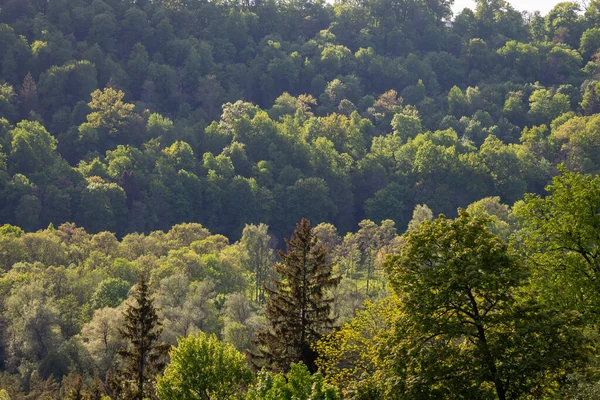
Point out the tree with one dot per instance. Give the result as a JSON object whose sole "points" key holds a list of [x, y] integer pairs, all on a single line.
{"points": [[110, 112], [457, 102], [298, 308], [102, 339], [202, 367], [407, 124], [503, 164], [32, 148], [145, 355], [545, 106], [421, 213], [28, 96], [388, 203], [259, 257], [564, 24], [559, 239], [297, 384], [524, 58], [137, 67], [578, 137], [186, 307], [102, 206], [353, 357], [33, 330], [589, 102], [590, 42], [466, 331], [491, 207], [110, 293]]}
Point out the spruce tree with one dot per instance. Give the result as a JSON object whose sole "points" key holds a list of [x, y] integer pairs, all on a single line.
{"points": [[146, 355], [28, 96], [298, 308]]}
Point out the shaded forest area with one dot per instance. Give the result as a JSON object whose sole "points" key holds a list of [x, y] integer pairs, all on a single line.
{"points": [[155, 154]]}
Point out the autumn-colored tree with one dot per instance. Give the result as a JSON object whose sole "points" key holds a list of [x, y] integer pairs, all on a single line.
{"points": [[28, 96]]}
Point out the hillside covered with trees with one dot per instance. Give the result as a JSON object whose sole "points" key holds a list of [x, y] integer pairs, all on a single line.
{"points": [[435, 175]]}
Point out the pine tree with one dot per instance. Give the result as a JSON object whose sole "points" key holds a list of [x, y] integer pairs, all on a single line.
{"points": [[146, 354], [28, 96], [298, 308], [589, 104]]}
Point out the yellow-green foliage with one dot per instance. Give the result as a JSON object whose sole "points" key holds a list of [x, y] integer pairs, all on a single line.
{"points": [[350, 357]]}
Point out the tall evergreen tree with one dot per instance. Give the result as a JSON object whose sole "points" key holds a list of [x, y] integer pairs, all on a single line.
{"points": [[146, 355], [28, 96], [298, 308]]}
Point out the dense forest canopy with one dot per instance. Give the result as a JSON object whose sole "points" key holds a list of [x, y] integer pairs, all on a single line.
{"points": [[135, 116], [154, 154]]}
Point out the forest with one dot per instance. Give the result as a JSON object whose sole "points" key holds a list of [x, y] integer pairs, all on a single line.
{"points": [[299, 200]]}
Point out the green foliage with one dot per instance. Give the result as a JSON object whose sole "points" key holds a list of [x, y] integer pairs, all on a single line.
{"points": [[255, 241], [110, 293], [129, 94], [125, 117], [31, 148], [203, 367], [559, 237], [109, 112], [298, 383], [352, 359], [298, 308], [421, 213], [459, 285], [145, 354], [590, 42]]}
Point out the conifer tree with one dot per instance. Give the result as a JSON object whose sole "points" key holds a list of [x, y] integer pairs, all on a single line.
{"points": [[146, 355], [298, 308], [28, 96]]}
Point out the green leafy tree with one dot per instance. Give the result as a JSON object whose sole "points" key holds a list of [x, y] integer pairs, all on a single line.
{"points": [[353, 357], [297, 384], [577, 137], [590, 42], [466, 330], [457, 102], [564, 24], [33, 323], [545, 106], [421, 213], [259, 257], [388, 203], [102, 339], [32, 148], [109, 111], [407, 124], [110, 293], [202, 367], [559, 238]]}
